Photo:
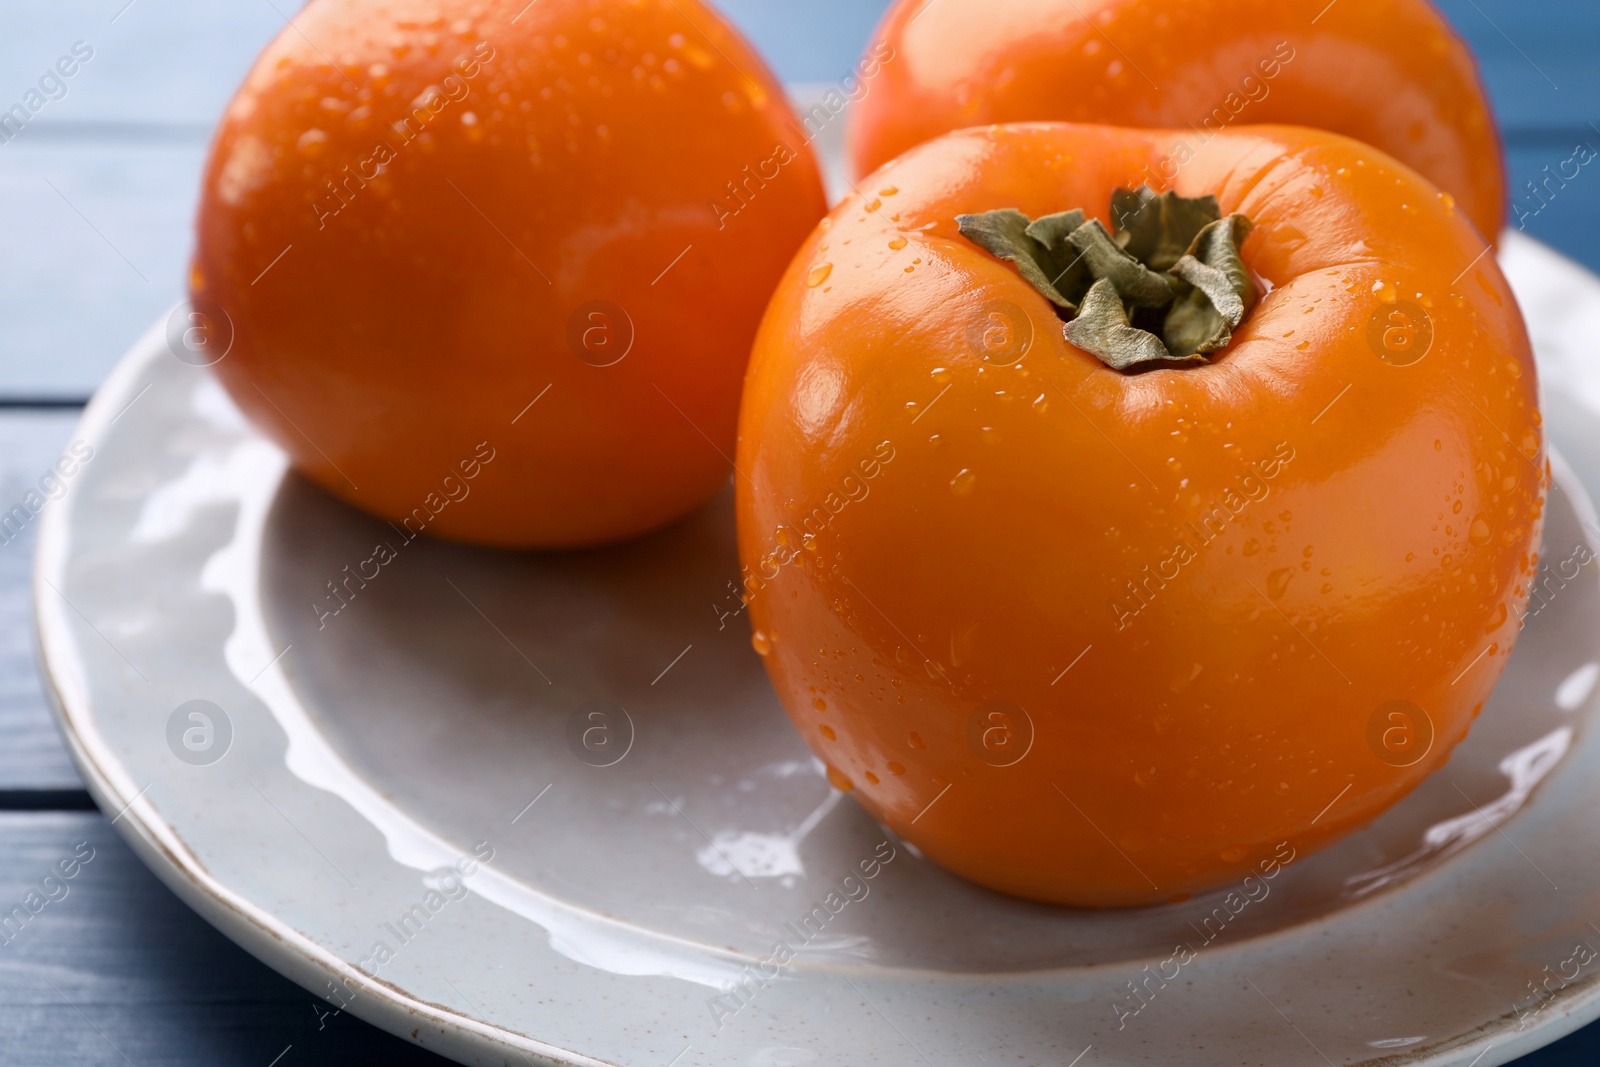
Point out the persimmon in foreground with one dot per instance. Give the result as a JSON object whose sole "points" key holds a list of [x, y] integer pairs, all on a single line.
{"points": [[1392, 73], [494, 269], [1106, 540]]}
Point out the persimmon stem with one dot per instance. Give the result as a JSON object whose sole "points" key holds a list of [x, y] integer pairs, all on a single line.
{"points": [[1165, 288]]}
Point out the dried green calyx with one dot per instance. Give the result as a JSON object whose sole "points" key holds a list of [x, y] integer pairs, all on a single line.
{"points": [[1167, 288]]}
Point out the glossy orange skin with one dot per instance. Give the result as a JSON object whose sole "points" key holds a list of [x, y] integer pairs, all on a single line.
{"points": [[925, 531], [583, 161], [1391, 73]]}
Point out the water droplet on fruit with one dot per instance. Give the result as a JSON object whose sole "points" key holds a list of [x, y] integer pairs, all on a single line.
{"points": [[819, 274], [1251, 547], [1480, 534], [914, 739], [896, 768], [761, 643], [827, 731], [819, 704], [897, 244], [837, 779], [1278, 582], [962, 483]]}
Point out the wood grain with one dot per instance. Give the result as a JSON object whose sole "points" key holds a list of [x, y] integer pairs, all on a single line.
{"points": [[97, 193], [96, 197], [113, 969], [32, 755]]}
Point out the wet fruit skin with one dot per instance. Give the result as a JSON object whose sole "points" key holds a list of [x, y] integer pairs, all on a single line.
{"points": [[433, 278], [1391, 73], [929, 524]]}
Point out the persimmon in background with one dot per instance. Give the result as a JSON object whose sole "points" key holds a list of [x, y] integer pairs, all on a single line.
{"points": [[1107, 637], [495, 273], [1391, 73]]}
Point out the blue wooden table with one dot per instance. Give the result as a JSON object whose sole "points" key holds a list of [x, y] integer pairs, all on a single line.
{"points": [[96, 199]]}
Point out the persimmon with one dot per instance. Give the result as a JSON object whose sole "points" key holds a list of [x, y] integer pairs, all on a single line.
{"points": [[1392, 73], [542, 234], [1105, 636]]}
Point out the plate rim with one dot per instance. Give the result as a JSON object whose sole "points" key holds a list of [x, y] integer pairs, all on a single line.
{"points": [[449, 1032], [255, 929]]}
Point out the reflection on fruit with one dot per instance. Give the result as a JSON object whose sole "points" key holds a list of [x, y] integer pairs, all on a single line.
{"points": [[1108, 637], [1391, 73], [495, 273]]}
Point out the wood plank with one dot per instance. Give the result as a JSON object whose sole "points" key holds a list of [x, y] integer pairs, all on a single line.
{"points": [[94, 243], [152, 61], [1581, 1049], [32, 755], [1537, 59], [97, 196], [70, 304], [1564, 215], [179, 60], [117, 970]]}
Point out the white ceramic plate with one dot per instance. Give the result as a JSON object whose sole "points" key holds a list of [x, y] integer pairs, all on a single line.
{"points": [[349, 772]]}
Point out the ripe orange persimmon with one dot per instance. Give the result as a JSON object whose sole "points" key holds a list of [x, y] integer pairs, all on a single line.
{"points": [[1102, 637], [543, 234], [1391, 73]]}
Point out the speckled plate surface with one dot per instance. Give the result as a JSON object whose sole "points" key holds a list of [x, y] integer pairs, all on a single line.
{"points": [[545, 808]]}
